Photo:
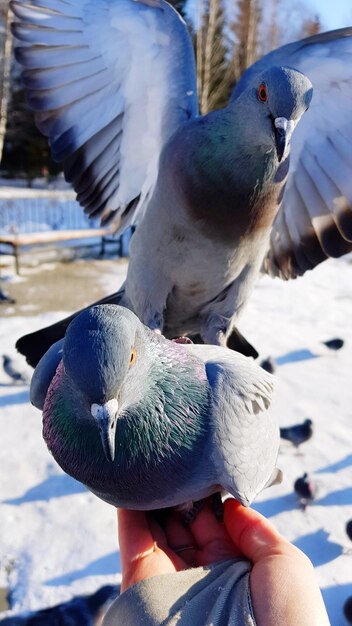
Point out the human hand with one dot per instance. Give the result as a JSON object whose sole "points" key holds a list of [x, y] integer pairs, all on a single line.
{"points": [[282, 580], [146, 549]]}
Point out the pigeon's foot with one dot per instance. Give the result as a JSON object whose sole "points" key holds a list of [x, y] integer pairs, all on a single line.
{"points": [[237, 342], [183, 340], [218, 506], [191, 510], [192, 513]]}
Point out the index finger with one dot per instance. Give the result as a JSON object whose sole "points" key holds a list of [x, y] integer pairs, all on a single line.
{"points": [[251, 532]]}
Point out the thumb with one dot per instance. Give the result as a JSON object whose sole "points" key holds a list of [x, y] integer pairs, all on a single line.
{"points": [[255, 537], [141, 556]]}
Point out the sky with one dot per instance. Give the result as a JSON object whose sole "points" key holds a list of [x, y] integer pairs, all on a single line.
{"points": [[333, 14]]}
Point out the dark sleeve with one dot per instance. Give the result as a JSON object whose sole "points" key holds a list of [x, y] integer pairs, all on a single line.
{"points": [[217, 595]]}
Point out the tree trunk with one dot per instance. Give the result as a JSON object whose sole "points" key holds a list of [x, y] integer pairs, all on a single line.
{"points": [[5, 77]]}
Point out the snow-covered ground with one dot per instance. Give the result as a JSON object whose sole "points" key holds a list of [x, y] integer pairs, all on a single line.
{"points": [[58, 540]]}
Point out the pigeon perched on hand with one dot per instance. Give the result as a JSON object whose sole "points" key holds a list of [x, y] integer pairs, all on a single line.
{"points": [[113, 85], [299, 433], [147, 423]]}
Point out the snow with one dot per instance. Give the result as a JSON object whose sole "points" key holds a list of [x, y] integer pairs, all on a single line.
{"points": [[58, 540]]}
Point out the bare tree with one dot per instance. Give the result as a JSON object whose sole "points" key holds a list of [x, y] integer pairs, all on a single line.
{"points": [[245, 29], [311, 27], [212, 58], [5, 70]]}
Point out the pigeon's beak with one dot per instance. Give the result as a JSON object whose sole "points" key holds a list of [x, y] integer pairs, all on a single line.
{"points": [[105, 416], [283, 131]]}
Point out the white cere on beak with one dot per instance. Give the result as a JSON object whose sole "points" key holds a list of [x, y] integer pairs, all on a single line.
{"points": [[111, 407], [105, 416], [282, 123]]}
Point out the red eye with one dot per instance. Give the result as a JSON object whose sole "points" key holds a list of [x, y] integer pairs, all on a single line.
{"points": [[262, 93]]}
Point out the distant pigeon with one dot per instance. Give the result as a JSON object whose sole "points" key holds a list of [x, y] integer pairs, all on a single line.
{"points": [[12, 371], [347, 610], [80, 611], [147, 423], [299, 433], [114, 87], [268, 365], [305, 489], [334, 344], [349, 529], [5, 298]]}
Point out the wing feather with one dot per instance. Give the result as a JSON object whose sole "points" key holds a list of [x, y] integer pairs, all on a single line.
{"points": [[246, 434], [317, 203], [109, 82]]}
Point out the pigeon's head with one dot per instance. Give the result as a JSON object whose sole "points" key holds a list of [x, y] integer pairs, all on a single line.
{"points": [[106, 358], [281, 95]]}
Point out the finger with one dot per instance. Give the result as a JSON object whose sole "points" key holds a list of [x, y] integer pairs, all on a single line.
{"points": [[140, 555], [255, 537], [212, 538], [181, 538], [135, 538], [176, 532], [207, 528]]}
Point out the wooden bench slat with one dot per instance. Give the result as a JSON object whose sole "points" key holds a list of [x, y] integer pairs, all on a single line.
{"points": [[27, 239], [16, 241]]}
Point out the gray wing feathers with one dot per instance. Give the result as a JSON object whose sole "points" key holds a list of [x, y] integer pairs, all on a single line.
{"points": [[315, 219], [246, 435], [109, 83]]}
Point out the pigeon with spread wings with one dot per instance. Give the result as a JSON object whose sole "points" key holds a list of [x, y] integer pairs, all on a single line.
{"points": [[114, 88]]}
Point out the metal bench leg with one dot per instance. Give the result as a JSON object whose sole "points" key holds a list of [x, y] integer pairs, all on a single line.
{"points": [[17, 262]]}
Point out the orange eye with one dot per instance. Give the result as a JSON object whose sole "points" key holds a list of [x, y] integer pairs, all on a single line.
{"points": [[133, 356], [262, 93]]}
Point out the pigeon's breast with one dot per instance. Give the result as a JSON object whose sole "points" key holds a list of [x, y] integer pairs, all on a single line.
{"points": [[160, 445]]}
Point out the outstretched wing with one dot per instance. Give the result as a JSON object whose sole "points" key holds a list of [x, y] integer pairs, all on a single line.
{"points": [[315, 219], [109, 81]]}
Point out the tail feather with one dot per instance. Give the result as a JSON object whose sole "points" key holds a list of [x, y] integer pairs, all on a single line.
{"points": [[34, 345]]}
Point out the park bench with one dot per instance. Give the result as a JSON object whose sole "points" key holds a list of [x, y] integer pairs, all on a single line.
{"points": [[17, 241], [31, 218]]}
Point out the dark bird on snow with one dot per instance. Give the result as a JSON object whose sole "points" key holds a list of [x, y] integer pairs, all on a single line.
{"points": [[11, 370], [349, 529], [268, 365], [305, 489], [216, 197], [5, 298], [334, 344], [297, 434], [147, 423], [347, 609], [80, 611]]}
